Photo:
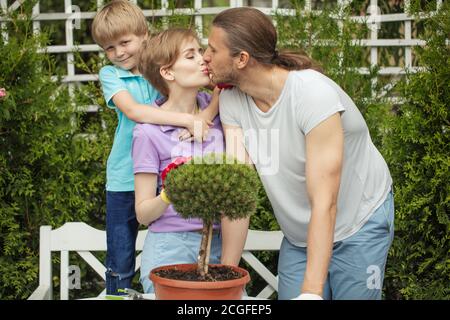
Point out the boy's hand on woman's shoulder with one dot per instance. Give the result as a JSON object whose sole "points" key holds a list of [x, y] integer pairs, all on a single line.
{"points": [[185, 135], [197, 129]]}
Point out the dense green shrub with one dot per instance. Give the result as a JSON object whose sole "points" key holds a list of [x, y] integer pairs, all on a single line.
{"points": [[418, 151], [49, 174], [213, 185], [208, 187]]}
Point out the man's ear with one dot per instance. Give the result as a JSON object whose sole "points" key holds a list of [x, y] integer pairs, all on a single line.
{"points": [[242, 59], [166, 73]]}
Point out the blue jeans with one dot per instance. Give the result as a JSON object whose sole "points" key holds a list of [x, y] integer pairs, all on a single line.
{"points": [[357, 265], [165, 248], [121, 233]]}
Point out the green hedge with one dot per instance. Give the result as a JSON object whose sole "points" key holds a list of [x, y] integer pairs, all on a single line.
{"points": [[49, 174], [418, 151]]}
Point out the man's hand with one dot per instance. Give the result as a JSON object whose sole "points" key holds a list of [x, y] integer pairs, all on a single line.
{"points": [[308, 296]]}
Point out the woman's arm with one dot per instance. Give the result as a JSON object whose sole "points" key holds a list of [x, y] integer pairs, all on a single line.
{"points": [[324, 153], [234, 233], [213, 108], [149, 207], [206, 116]]}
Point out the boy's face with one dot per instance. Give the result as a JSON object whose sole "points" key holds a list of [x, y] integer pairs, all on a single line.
{"points": [[123, 51]]}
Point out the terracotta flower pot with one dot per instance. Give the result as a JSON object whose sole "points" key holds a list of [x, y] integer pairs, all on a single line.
{"points": [[170, 289]]}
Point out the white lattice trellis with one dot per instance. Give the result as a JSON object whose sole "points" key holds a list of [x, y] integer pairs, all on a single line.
{"points": [[69, 16]]}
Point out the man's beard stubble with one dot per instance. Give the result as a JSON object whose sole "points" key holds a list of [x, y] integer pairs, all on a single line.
{"points": [[229, 78]]}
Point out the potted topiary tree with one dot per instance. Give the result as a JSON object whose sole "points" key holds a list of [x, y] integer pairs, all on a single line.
{"points": [[206, 188]]}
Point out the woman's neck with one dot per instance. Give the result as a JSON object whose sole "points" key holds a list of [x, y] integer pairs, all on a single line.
{"points": [[184, 101]]}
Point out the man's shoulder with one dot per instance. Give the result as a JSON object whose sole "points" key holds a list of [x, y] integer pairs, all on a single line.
{"points": [[233, 96], [310, 83], [306, 74], [308, 77]]}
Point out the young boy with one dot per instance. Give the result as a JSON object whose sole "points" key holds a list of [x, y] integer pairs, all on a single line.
{"points": [[120, 28]]}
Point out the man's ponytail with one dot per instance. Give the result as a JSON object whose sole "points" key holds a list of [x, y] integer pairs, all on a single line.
{"points": [[291, 60]]}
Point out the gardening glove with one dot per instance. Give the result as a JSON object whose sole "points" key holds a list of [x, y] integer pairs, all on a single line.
{"points": [[164, 196], [308, 296]]}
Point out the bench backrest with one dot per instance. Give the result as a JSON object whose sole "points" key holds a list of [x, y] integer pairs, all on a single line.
{"points": [[82, 238]]}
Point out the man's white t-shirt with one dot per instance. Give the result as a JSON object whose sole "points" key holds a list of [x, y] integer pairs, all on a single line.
{"points": [[275, 141]]}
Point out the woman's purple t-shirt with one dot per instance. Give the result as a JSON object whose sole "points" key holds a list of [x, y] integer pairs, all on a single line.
{"points": [[155, 146]]}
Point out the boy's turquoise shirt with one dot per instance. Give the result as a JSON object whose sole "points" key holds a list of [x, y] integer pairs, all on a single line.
{"points": [[119, 168]]}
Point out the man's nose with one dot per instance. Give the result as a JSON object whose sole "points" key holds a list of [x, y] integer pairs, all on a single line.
{"points": [[206, 56], [200, 60]]}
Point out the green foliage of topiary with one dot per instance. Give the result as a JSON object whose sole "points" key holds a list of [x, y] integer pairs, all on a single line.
{"points": [[210, 187], [207, 187], [418, 152]]}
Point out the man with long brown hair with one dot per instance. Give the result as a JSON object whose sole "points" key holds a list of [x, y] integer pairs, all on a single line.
{"points": [[330, 188]]}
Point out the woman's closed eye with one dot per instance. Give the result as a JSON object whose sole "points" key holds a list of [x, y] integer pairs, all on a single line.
{"points": [[193, 55]]}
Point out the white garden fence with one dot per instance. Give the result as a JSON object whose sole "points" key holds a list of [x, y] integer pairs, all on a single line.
{"points": [[74, 17]]}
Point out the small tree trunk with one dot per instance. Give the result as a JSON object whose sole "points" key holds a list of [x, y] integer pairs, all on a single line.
{"points": [[203, 252], [208, 248]]}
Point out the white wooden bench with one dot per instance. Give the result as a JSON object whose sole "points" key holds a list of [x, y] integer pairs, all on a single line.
{"points": [[82, 238]]}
